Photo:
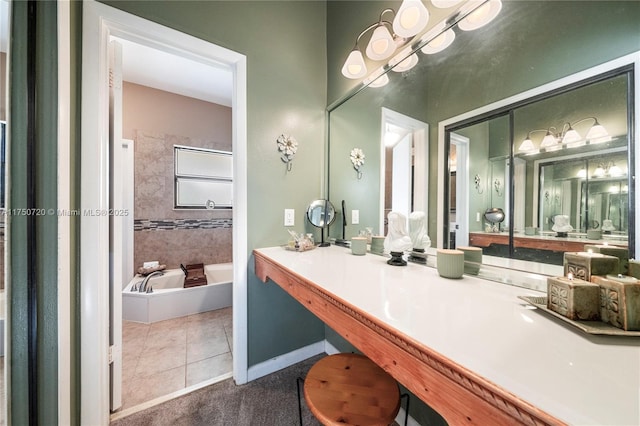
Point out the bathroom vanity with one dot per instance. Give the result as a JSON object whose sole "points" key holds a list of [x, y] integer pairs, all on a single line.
{"points": [[469, 348]]}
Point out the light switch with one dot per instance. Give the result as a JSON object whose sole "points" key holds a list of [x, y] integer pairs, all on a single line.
{"points": [[289, 217], [355, 217], [477, 216]]}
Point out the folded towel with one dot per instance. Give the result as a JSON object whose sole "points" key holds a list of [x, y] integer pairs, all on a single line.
{"points": [[146, 271]]}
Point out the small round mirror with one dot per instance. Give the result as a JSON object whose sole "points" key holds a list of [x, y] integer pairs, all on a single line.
{"points": [[494, 215], [321, 214]]}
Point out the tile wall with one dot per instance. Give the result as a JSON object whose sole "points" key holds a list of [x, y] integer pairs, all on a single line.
{"points": [[161, 233]]}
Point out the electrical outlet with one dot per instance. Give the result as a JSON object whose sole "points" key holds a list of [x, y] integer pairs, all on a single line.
{"points": [[289, 217], [355, 217]]}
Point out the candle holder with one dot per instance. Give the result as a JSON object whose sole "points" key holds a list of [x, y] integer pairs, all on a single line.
{"points": [[450, 263], [583, 265], [619, 301], [622, 253], [573, 298], [472, 259]]}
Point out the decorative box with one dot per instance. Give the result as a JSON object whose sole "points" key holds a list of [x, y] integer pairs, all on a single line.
{"points": [[193, 275], [583, 265], [576, 299], [619, 301], [622, 253], [472, 259]]}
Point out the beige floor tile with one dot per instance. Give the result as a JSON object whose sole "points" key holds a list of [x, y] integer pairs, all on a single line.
{"points": [[208, 368], [196, 345], [145, 388]]}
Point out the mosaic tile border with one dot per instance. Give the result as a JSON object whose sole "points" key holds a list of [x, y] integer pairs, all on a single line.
{"points": [[174, 224]]}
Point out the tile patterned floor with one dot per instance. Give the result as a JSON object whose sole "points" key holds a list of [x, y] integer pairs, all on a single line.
{"points": [[166, 356]]}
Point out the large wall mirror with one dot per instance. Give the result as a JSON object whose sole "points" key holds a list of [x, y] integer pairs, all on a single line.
{"points": [[491, 90], [558, 166]]}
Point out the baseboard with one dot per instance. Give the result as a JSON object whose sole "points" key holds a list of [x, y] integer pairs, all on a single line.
{"points": [[285, 360]]}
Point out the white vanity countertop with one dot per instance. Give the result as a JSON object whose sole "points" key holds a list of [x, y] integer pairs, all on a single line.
{"points": [[482, 325]]}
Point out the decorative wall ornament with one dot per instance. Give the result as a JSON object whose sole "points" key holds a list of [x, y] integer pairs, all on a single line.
{"points": [[477, 182], [497, 184], [287, 145], [357, 159]]}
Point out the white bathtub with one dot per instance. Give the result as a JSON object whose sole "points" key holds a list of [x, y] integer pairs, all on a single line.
{"points": [[170, 300]]}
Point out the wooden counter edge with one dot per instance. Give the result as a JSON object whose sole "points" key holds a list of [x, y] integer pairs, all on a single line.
{"points": [[457, 393]]}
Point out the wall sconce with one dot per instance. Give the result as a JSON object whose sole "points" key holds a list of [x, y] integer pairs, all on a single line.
{"points": [[566, 137], [412, 17], [288, 146], [357, 159], [477, 181]]}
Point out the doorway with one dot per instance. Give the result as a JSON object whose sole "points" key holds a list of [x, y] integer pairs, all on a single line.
{"points": [[100, 23]]}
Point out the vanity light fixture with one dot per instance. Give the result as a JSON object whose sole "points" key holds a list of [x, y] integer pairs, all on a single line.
{"points": [[411, 19], [481, 16], [568, 137], [582, 173]]}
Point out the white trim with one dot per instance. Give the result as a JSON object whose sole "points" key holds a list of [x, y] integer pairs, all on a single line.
{"points": [[462, 187], [285, 360], [99, 23], [421, 161], [633, 58], [64, 222]]}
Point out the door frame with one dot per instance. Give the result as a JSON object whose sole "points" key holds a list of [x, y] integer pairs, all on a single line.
{"points": [[99, 23], [462, 189]]}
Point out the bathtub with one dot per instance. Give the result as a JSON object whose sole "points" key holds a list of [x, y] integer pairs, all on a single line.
{"points": [[170, 300]]}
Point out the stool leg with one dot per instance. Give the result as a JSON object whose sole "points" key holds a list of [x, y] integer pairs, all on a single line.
{"points": [[298, 381], [406, 413]]}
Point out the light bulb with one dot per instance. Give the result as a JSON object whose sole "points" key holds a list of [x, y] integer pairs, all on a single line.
{"points": [[381, 45], [527, 145], [598, 134], [411, 18]]}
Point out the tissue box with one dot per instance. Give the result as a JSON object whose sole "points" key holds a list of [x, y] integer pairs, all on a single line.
{"points": [[576, 299], [584, 264], [619, 301], [194, 275]]}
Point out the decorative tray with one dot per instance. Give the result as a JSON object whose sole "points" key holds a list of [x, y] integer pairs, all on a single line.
{"points": [[300, 249], [591, 327]]}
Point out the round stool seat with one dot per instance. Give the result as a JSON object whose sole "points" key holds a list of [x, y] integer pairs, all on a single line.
{"points": [[351, 389]]}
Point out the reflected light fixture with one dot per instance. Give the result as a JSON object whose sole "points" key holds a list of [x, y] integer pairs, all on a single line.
{"points": [[597, 133], [549, 139], [377, 78], [614, 170], [599, 171], [399, 64], [527, 144], [439, 43], [481, 16], [582, 173], [411, 18]]}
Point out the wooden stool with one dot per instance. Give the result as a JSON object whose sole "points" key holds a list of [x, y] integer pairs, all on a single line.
{"points": [[349, 389]]}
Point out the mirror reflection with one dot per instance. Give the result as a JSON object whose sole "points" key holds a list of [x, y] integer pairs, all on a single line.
{"points": [[559, 187]]}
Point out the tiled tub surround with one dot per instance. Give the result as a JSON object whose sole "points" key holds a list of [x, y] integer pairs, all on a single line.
{"points": [[167, 356], [162, 233]]}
